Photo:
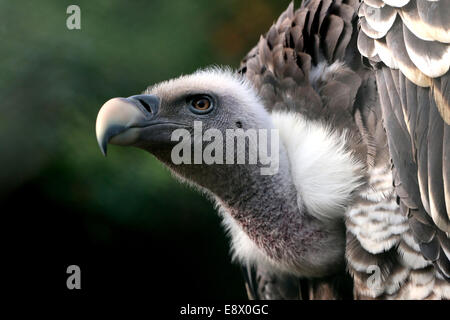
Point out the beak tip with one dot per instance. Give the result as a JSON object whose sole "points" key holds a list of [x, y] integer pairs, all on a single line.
{"points": [[103, 147]]}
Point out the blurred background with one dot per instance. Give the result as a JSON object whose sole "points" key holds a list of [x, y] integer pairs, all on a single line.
{"points": [[123, 219]]}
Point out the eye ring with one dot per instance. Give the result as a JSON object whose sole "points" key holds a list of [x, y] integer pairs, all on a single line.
{"points": [[201, 104]]}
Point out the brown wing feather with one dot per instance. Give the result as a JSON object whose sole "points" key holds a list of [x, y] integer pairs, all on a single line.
{"points": [[416, 111]]}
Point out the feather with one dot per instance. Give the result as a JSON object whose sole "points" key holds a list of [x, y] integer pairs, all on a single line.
{"points": [[344, 11], [369, 31], [431, 249], [343, 42], [445, 244], [381, 19], [444, 264], [395, 43], [265, 56], [366, 45], [421, 28], [324, 12], [386, 54], [286, 17], [331, 31], [301, 17], [430, 57], [421, 230], [420, 97], [441, 93], [446, 168], [396, 3], [375, 3], [313, 7], [273, 37], [435, 15], [435, 182]]}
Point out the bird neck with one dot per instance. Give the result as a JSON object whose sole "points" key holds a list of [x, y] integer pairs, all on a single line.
{"points": [[266, 217]]}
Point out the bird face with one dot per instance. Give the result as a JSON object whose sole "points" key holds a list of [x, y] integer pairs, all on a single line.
{"points": [[217, 98]]}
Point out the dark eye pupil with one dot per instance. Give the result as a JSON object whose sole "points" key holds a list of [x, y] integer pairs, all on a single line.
{"points": [[201, 104]]}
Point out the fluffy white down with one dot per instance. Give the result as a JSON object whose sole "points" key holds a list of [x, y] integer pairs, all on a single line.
{"points": [[325, 174]]}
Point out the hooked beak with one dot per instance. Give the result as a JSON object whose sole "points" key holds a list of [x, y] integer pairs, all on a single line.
{"points": [[119, 119]]}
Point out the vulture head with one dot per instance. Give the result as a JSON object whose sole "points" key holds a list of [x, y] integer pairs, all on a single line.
{"points": [[209, 99]]}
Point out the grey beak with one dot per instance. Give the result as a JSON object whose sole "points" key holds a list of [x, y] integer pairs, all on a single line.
{"points": [[119, 119]]}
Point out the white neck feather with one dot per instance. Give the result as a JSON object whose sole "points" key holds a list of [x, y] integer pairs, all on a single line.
{"points": [[324, 172]]}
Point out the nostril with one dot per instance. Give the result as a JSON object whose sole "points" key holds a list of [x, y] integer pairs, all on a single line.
{"points": [[145, 105], [148, 101]]}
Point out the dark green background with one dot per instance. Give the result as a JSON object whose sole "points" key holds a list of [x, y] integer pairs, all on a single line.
{"points": [[130, 226]]}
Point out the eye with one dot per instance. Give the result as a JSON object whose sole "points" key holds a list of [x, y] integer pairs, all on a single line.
{"points": [[201, 104]]}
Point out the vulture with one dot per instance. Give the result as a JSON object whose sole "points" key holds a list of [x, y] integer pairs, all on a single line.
{"points": [[354, 98]]}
